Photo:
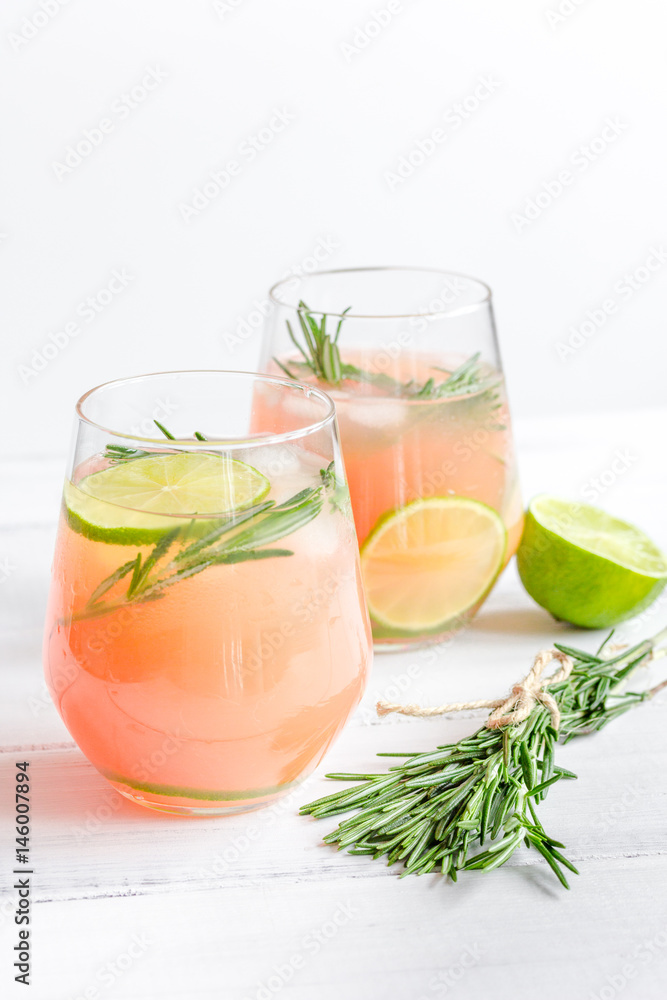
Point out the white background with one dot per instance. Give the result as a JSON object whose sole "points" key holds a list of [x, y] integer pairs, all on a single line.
{"points": [[357, 105]]}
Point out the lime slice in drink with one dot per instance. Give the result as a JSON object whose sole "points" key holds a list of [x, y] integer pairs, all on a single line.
{"points": [[136, 502], [430, 561], [585, 566]]}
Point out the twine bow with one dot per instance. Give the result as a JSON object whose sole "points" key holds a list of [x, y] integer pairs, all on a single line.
{"points": [[516, 707]]}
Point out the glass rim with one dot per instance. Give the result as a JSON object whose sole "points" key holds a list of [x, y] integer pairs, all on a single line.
{"points": [[454, 310], [229, 443]]}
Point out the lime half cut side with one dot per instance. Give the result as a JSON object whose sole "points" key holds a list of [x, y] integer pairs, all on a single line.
{"points": [[585, 566], [136, 502], [427, 563]]}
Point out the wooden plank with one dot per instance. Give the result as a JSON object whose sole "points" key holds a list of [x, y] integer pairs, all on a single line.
{"points": [[507, 936]]}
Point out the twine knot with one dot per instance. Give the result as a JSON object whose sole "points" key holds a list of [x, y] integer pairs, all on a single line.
{"points": [[517, 706]]}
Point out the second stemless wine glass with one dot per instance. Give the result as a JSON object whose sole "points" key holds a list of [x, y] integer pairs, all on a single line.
{"points": [[207, 636], [411, 359]]}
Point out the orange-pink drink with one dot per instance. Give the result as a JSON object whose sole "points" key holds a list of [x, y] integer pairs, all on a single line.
{"points": [[217, 679], [434, 488]]}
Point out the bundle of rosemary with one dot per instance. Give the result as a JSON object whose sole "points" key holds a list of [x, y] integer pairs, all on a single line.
{"points": [[438, 809]]}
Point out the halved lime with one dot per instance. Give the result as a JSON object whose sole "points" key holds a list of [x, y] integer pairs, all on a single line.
{"points": [[430, 561], [585, 566], [136, 502]]}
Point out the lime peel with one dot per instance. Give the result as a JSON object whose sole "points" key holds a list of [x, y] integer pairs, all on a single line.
{"points": [[585, 566]]}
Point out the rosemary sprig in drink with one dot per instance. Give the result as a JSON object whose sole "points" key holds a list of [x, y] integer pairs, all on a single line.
{"points": [[244, 534], [239, 538], [435, 810], [321, 357], [117, 453]]}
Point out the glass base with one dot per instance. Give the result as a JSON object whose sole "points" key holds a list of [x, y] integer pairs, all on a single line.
{"points": [[404, 644], [183, 805]]}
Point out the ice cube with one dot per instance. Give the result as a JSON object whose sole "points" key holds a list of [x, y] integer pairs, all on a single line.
{"points": [[375, 414]]}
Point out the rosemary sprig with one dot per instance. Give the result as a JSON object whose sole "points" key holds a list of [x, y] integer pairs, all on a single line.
{"points": [[117, 453], [239, 537], [321, 357], [320, 351], [437, 809]]}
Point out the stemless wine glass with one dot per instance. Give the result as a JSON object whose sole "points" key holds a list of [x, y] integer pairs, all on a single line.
{"points": [[207, 636], [411, 359]]}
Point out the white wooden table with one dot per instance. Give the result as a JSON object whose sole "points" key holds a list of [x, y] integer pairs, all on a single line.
{"points": [[133, 904]]}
